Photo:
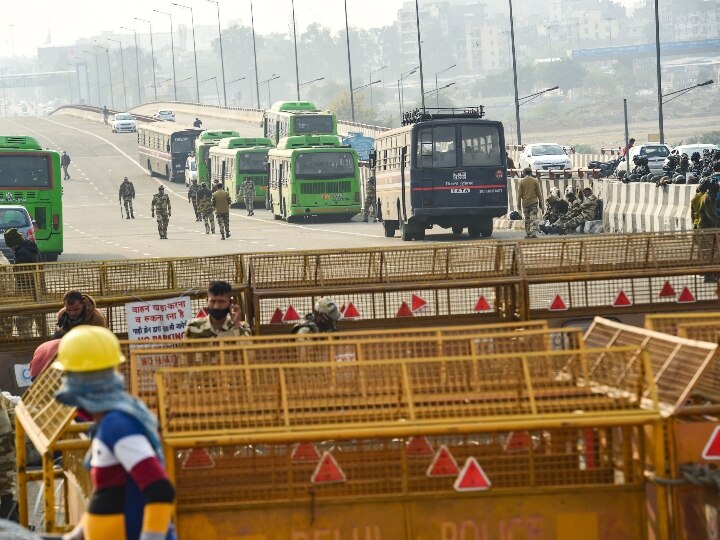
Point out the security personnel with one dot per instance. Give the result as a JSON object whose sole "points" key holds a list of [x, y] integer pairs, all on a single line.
{"points": [[248, 189], [221, 204], [132, 497], [8, 506], [65, 163], [161, 211], [324, 318], [708, 217], [193, 198], [204, 198], [126, 195], [530, 197], [696, 202], [370, 200], [575, 217]]}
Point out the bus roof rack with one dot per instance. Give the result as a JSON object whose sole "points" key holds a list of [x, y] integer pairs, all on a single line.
{"points": [[439, 113]]}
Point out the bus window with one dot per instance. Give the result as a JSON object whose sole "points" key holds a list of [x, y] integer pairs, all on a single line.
{"points": [[253, 162], [182, 144], [24, 171], [318, 165], [437, 147], [480, 146], [313, 124]]}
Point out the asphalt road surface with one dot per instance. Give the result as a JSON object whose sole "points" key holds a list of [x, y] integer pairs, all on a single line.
{"points": [[94, 228]]}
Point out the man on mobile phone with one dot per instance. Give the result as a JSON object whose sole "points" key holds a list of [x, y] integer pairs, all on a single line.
{"points": [[223, 315]]}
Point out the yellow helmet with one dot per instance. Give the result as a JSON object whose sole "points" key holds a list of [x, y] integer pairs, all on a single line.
{"points": [[88, 348]]}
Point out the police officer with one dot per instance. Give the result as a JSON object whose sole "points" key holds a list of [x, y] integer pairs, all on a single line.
{"points": [[530, 197], [65, 163], [193, 198], [248, 189], [221, 205], [204, 198], [324, 318], [575, 217], [161, 211], [126, 195], [370, 200]]}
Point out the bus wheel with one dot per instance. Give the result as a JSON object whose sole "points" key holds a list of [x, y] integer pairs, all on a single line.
{"points": [[389, 229], [405, 232], [50, 257], [420, 235], [457, 230], [486, 228], [149, 169], [474, 231]]}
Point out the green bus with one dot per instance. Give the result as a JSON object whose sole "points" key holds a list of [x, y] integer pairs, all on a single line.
{"points": [[294, 118], [313, 175], [203, 143], [31, 177], [236, 158]]}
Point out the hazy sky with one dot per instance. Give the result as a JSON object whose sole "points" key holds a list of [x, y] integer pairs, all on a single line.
{"points": [[68, 20]]}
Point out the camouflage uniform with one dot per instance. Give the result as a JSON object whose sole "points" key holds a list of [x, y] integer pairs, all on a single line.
{"points": [[193, 198], [127, 194], [204, 198], [577, 216], [248, 188], [370, 201], [221, 204], [8, 508], [161, 211]]}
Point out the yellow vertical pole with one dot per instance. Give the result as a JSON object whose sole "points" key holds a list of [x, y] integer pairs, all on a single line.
{"points": [[661, 491], [49, 490], [22, 477]]}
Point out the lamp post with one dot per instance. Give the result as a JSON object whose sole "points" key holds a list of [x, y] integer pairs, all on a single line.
{"points": [[238, 80], [137, 64], [216, 87], [437, 98], [97, 74], [528, 99], [172, 50], [87, 77], [659, 75], [403, 76], [368, 85], [347, 39], [257, 83], [272, 78], [112, 96], [307, 83], [222, 58], [370, 78], [420, 66], [5, 105], [152, 55], [297, 72], [192, 22], [678, 93], [436, 91], [122, 68], [515, 81]]}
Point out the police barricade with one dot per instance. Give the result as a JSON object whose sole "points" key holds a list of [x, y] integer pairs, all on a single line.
{"points": [[644, 207], [480, 446], [619, 275], [461, 283]]}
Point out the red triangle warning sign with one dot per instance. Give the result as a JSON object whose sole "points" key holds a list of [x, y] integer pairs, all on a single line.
{"points": [[443, 464], [517, 441], [277, 317], [667, 291], [304, 452], [198, 458], [291, 315], [404, 311], [328, 471], [351, 312], [712, 448], [558, 304], [419, 446], [472, 477], [201, 314], [622, 300], [686, 297], [418, 303], [482, 304]]}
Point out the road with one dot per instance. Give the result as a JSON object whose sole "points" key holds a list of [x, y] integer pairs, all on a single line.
{"points": [[95, 230]]}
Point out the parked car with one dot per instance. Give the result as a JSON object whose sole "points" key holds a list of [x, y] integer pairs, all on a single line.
{"points": [[689, 149], [544, 156], [123, 123], [17, 217], [655, 152], [191, 172], [164, 115]]}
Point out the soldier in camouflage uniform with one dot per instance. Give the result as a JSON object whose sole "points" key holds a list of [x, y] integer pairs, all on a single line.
{"points": [[205, 207], [126, 195], [8, 507], [576, 217], [248, 189], [193, 198], [370, 201], [221, 204], [161, 211]]}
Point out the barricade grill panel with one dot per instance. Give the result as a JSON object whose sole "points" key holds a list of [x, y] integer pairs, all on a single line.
{"points": [[702, 331], [668, 323]]}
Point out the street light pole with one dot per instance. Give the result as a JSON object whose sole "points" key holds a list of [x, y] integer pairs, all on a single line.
{"points": [[297, 72], [347, 39], [87, 78], [679, 93], [659, 76], [192, 22], [4, 80], [422, 82], [112, 96], [238, 80], [152, 54], [257, 83], [137, 65], [515, 79], [172, 51], [217, 90], [437, 98], [272, 78], [371, 74], [122, 68], [403, 76], [97, 74], [222, 58]]}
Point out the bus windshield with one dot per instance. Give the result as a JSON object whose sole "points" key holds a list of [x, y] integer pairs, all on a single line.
{"points": [[182, 144], [252, 162], [313, 123], [23, 172], [315, 165]]}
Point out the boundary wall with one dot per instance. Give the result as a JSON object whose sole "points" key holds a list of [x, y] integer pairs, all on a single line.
{"points": [[644, 207]]}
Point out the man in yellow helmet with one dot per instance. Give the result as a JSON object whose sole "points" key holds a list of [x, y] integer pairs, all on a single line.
{"points": [[132, 496]]}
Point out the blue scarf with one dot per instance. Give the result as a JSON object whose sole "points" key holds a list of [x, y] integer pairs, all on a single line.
{"points": [[104, 391]]}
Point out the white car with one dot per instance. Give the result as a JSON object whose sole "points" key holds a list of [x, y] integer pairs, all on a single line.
{"points": [[544, 156], [191, 172], [164, 115], [690, 149], [655, 152], [123, 123]]}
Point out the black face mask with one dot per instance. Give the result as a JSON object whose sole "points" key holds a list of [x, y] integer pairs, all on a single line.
{"points": [[218, 314]]}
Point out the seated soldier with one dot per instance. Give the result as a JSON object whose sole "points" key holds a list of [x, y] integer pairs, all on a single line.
{"points": [[576, 216]]}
